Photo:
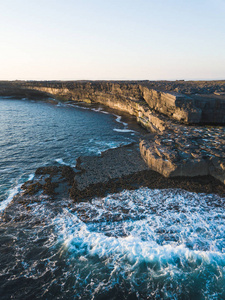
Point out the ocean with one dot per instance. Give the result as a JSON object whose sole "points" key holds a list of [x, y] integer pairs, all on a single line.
{"points": [[140, 244]]}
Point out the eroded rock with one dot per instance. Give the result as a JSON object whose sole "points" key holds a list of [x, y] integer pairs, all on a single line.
{"points": [[187, 151]]}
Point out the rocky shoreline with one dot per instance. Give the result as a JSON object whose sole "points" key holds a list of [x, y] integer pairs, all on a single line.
{"points": [[97, 176], [189, 131], [185, 146]]}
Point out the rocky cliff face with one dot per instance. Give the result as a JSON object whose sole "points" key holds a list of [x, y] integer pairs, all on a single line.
{"points": [[128, 99], [192, 152], [132, 98], [177, 149]]}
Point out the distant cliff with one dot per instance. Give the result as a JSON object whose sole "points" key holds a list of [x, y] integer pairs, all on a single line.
{"points": [[136, 98]]}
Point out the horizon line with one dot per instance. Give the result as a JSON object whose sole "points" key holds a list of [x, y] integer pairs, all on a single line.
{"points": [[195, 79]]}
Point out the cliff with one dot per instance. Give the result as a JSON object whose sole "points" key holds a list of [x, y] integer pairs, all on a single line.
{"points": [[182, 144], [132, 98]]}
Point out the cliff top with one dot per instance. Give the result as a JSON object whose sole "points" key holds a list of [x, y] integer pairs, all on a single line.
{"points": [[179, 86]]}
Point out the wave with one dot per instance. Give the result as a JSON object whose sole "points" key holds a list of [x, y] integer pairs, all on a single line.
{"points": [[163, 238], [97, 109], [12, 193], [118, 120], [78, 106], [59, 104], [100, 109], [123, 130], [105, 112], [98, 147], [5, 170], [155, 244], [62, 162]]}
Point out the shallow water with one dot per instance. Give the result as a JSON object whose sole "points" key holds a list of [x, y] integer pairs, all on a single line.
{"points": [[142, 244]]}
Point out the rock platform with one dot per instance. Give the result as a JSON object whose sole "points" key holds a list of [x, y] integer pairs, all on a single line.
{"points": [[186, 151], [59, 187], [113, 171]]}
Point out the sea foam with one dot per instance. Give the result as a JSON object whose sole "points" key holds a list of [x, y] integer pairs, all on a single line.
{"points": [[164, 236]]}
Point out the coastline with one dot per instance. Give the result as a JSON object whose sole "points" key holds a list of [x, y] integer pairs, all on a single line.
{"points": [[170, 156], [115, 170], [60, 217], [188, 128]]}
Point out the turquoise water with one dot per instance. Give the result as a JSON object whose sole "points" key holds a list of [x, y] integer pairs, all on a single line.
{"points": [[142, 244]]}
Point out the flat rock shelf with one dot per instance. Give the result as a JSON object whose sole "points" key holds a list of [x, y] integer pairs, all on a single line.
{"points": [[114, 171]]}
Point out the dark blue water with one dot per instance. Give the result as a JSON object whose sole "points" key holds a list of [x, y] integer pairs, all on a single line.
{"points": [[143, 244], [34, 134]]}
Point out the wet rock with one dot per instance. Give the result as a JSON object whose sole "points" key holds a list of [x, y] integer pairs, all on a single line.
{"points": [[51, 180], [31, 187], [112, 172], [217, 169]]}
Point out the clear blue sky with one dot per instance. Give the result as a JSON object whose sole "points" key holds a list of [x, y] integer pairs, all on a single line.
{"points": [[105, 39]]}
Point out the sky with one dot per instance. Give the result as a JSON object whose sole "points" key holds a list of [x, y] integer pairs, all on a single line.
{"points": [[112, 40]]}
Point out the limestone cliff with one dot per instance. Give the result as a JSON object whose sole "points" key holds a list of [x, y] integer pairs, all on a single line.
{"points": [[176, 149], [127, 98], [133, 98]]}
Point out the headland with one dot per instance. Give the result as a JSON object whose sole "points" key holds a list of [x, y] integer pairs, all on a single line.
{"points": [[184, 147]]}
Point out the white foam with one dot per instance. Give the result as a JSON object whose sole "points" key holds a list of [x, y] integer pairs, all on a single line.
{"points": [[97, 109], [100, 109], [133, 249], [31, 176], [5, 170], [158, 242], [105, 112], [99, 146], [62, 162], [163, 227], [78, 106], [118, 119], [123, 130], [12, 193], [60, 104]]}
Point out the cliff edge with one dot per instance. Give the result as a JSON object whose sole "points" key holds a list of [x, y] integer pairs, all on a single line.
{"points": [[186, 120]]}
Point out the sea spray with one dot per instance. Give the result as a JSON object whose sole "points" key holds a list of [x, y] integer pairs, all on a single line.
{"points": [[170, 241]]}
